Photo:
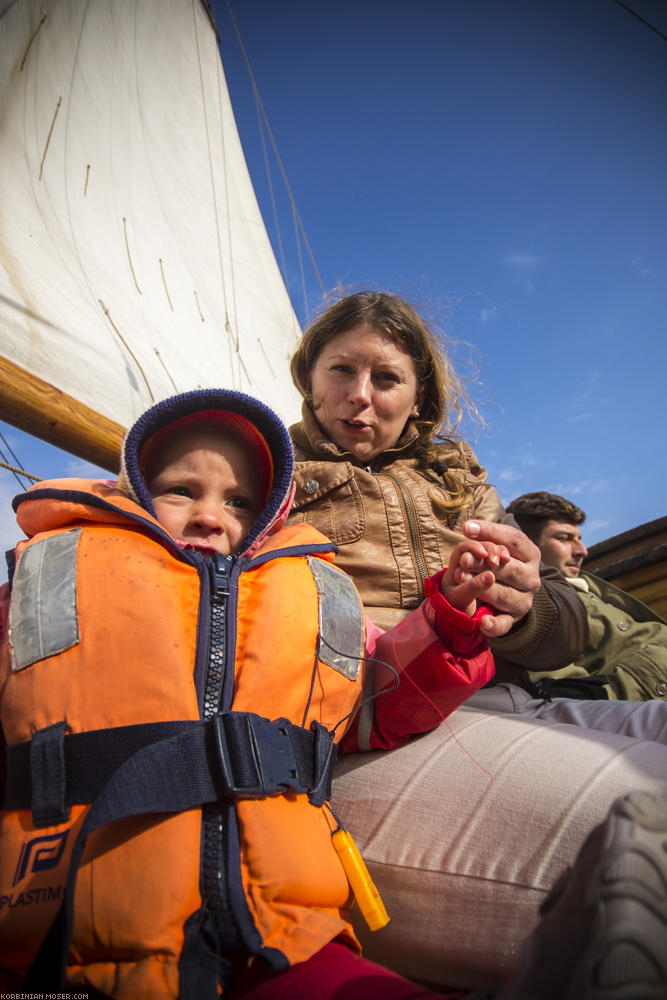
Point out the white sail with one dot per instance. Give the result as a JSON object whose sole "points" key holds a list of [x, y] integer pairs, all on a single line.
{"points": [[133, 258]]}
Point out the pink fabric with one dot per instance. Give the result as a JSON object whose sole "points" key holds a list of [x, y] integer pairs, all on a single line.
{"points": [[334, 973], [441, 658]]}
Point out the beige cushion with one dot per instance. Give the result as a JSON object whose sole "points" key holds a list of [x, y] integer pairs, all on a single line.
{"points": [[464, 831]]}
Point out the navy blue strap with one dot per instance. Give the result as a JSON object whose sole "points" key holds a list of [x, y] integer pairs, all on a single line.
{"points": [[169, 776], [47, 769], [178, 773], [246, 755], [202, 966]]}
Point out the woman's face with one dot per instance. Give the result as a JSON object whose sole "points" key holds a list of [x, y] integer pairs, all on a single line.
{"points": [[364, 389]]}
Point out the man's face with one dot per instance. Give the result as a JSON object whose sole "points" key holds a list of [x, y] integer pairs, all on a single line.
{"points": [[561, 546]]}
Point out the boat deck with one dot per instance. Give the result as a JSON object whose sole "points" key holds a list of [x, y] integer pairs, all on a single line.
{"points": [[635, 561]]}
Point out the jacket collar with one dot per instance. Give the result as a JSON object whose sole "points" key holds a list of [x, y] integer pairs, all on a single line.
{"points": [[311, 442]]}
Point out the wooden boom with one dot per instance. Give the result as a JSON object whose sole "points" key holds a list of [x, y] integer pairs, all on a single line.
{"points": [[40, 409]]}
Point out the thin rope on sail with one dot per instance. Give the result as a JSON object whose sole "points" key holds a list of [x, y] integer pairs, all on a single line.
{"points": [[166, 370], [201, 315], [266, 357], [275, 150], [129, 256], [31, 40], [164, 282], [245, 370], [127, 348], [234, 337], [48, 138]]}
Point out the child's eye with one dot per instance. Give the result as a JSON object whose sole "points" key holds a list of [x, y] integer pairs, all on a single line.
{"points": [[240, 503], [179, 491]]}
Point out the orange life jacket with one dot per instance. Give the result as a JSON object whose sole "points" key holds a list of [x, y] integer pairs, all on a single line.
{"points": [[113, 625]]}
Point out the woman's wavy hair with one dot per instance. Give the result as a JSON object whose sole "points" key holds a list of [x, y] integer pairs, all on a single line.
{"points": [[444, 395]]}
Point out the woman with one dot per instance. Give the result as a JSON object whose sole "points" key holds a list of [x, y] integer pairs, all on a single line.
{"points": [[488, 814], [376, 474]]}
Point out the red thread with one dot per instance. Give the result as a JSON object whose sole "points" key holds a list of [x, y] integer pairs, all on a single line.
{"points": [[458, 742]]}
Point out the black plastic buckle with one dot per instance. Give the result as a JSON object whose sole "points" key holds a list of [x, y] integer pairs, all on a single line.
{"points": [[264, 746]]}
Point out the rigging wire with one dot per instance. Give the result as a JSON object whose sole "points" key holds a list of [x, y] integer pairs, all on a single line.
{"points": [[301, 270], [9, 449], [18, 471], [274, 209], [232, 334], [258, 100], [642, 19]]}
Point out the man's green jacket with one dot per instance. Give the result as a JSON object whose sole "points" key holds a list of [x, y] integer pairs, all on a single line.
{"points": [[627, 643]]}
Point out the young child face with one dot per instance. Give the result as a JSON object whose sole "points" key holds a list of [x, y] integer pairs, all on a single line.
{"points": [[205, 489]]}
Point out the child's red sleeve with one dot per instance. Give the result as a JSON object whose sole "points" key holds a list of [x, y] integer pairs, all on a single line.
{"points": [[441, 659]]}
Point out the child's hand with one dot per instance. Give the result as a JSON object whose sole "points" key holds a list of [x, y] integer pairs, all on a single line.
{"points": [[471, 572]]}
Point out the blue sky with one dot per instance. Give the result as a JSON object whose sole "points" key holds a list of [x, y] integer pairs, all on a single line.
{"points": [[503, 165]]}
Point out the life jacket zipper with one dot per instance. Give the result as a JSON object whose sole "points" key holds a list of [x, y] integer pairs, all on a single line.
{"points": [[418, 557], [214, 874], [220, 568]]}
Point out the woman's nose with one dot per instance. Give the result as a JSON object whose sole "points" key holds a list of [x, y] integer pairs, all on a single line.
{"points": [[360, 390]]}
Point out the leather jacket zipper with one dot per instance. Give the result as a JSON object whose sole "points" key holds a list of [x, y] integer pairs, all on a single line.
{"points": [[418, 557]]}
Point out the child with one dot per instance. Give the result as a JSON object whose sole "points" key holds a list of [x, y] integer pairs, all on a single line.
{"points": [[155, 626]]}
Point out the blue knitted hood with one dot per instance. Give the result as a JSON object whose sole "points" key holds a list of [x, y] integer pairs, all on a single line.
{"points": [[174, 408]]}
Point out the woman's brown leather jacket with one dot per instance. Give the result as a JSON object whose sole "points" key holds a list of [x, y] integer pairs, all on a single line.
{"points": [[390, 538]]}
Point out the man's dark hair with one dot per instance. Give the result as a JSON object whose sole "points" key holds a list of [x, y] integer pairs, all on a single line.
{"points": [[532, 510]]}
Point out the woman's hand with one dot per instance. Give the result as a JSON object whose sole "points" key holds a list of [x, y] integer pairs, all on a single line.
{"points": [[471, 572], [516, 580]]}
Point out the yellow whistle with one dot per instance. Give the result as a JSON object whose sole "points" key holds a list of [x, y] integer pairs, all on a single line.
{"points": [[367, 897]]}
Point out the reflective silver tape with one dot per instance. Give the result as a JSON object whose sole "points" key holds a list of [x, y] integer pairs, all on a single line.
{"points": [[341, 619], [43, 616]]}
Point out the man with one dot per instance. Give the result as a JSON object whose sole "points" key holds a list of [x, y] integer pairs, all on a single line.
{"points": [[553, 524], [626, 654]]}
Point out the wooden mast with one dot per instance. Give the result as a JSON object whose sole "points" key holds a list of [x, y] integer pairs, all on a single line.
{"points": [[40, 409]]}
